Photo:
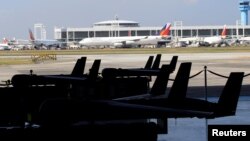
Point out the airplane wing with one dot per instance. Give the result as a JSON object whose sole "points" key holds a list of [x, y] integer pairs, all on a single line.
{"points": [[137, 39], [81, 110], [137, 110], [130, 40], [127, 72], [26, 80], [69, 79]]}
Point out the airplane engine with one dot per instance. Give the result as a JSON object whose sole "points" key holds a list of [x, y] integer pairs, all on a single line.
{"points": [[118, 45], [125, 44], [130, 43]]}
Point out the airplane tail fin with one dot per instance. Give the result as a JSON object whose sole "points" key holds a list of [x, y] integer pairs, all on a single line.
{"points": [[161, 81], [165, 30], [179, 87], [149, 62], [224, 32], [173, 63], [157, 62], [229, 98], [93, 72], [32, 38], [78, 69], [5, 41], [129, 33]]}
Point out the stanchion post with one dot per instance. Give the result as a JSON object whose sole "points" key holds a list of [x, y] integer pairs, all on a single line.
{"points": [[205, 81]]}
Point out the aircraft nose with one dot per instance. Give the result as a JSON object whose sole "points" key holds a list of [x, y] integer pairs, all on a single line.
{"points": [[84, 42], [81, 42]]}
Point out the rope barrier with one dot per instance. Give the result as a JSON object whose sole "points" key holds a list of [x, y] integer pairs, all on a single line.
{"points": [[196, 74], [247, 75], [217, 74], [170, 79], [212, 72]]}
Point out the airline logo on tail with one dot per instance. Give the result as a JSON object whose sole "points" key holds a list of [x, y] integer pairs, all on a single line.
{"points": [[165, 30], [129, 33], [5, 41], [224, 32], [32, 38]]}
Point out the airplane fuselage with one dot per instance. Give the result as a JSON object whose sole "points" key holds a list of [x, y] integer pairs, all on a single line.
{"points": [[213, 40], [127, 41], [4, 47]]}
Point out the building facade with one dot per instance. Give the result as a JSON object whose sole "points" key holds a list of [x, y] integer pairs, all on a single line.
{"points": [[116, 28]]}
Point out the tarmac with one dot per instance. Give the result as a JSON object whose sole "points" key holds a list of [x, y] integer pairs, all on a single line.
{"points": [[185, 129]]}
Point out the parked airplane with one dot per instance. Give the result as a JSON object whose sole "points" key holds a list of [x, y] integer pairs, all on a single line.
{"points": [[216, 40], [244, 40], [186, 41], [4, 45], [127, 41], [43, 44], [74, 110], [202, 41], [77, 76], [177, 98]]}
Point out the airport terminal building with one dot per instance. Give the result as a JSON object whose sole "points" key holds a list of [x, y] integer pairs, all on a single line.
{"points": [[116, 28]]}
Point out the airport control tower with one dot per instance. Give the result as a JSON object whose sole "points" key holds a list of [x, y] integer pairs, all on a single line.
{"points": [[244, 7]]}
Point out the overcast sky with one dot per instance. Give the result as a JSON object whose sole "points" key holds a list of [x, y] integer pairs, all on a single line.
{"points": [[17, 16]]}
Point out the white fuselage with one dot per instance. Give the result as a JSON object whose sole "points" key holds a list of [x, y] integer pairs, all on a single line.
{"points": [[213, 40], [46, 43], [4, 47], [121, 41], [188, 40], [244, 40]]}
